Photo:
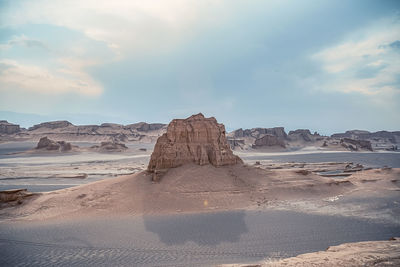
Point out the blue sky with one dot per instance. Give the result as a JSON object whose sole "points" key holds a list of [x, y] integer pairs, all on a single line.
{"points": [[324, 65]]}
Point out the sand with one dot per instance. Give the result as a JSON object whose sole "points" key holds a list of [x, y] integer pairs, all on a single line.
{"points": [[193, 188], [370, 253]]}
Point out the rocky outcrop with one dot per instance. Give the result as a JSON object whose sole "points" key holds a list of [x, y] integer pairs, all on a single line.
{"points": [[51, 125], [48, 144], [146, 127], [259, 132], [235, 142], [110, 146], [356, 144], [64, 130], [393, 137], [14, 195], [196, 140], [304, 135], [8, 128], [269, 140]]}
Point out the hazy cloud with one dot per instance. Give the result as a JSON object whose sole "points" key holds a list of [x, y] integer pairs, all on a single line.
{"points": [[364, 62], [17, 76]]}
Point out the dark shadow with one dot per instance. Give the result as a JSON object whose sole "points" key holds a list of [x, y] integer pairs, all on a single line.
{"points": [[203, 229]]}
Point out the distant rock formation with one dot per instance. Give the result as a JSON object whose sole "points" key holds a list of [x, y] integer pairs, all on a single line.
{"points": [[146, 127], [8, 128], [64, 130], [393, 137], [51, 125], [356, 144], [47, 144], [110, 146], [259, 132], [257, 138], [304, 135], [269, 140], [196, 140]]}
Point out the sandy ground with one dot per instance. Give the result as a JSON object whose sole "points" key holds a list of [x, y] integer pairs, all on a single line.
{"points": [[193, 188], [370, 253]]}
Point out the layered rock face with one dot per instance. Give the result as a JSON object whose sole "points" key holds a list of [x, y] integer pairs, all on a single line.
{"points": [[196, 140], [8, 128], [269, 140], [304, 135]]}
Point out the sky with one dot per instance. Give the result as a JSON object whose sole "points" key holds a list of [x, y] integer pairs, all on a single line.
{"points": [[328, 66]]}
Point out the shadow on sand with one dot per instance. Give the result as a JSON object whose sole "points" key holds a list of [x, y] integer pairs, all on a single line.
{"points": [[202, 229]]}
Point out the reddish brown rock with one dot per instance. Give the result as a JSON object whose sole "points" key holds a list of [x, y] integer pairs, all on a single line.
{"points": [[196, 140]]}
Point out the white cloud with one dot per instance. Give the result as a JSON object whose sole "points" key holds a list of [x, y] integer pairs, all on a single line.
{"points": [[30, 78], [364, 62], [125, 26]]}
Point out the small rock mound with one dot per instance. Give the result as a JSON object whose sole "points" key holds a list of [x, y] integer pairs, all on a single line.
{"points": [[48, 144], [110, 146], [196, 140]]}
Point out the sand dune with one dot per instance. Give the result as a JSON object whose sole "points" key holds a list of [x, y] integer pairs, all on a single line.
{"points": [[193, 188]]}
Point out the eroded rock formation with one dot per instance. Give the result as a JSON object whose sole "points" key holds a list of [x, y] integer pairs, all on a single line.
{"points": [[356, 144], [110, 146], [51, 125], [8, 128], [196, 140], [269, 140], [48, 144]]}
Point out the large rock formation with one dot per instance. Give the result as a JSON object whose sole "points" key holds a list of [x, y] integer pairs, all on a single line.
{"points": [[304, 135], [146, 127], [196, 140], [8, 128], [377, 137], [357, 144], [51, 125], [259, 132], [48, 144], [269, 140]]}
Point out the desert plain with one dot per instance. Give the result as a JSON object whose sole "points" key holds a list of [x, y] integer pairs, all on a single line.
{"points": [[200, 199]]}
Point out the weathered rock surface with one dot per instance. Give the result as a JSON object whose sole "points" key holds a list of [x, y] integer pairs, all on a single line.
{"points": [[8, 128], [357, 144], [244, 139], [48, 144], [196, 140], [303, 135], [269, 140]]}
